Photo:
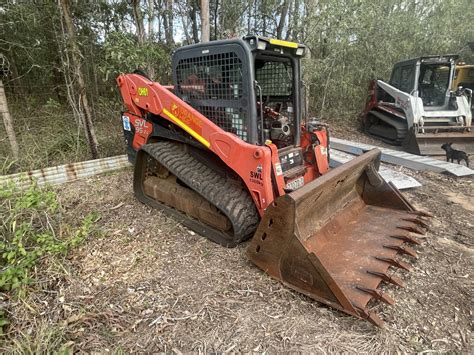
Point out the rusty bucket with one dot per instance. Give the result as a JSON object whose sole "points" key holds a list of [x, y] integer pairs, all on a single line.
{"points": [[430, 142], [335, 238]]}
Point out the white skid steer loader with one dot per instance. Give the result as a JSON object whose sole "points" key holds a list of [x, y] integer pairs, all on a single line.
{"points": [[417, 108]]}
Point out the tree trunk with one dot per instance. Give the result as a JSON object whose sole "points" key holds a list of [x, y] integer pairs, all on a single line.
{"points": [[193, 15], [184, 15], [284, 13], [205, 21], [150, 69], [138, 17], [249, 19], [295, 15], [169, 22], [151, 19], [7, 121], [157, 4], [216, 9], [76, 60]]}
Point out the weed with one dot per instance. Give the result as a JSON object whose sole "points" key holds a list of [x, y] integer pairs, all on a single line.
{"points": [[6, 165], [32, 230], [52, 104], [45, 340]]}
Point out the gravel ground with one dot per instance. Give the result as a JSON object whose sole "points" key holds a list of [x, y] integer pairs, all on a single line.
{"points": [[149, 284]]}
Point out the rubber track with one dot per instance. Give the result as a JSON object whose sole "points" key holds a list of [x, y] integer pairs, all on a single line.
{"points": [[232, 200], [400, 127]]}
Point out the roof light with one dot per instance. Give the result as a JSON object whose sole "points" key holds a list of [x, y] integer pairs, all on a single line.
{"points": [[300, 51]]}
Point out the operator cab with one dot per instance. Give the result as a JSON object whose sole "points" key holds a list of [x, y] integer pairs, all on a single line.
{"points": [[434, 83], [428, 77], [249, 87]]}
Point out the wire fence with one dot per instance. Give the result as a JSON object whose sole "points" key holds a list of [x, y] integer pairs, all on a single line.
{"points": [[49, 132], [64, 115], [104, 105], [59, 92]]}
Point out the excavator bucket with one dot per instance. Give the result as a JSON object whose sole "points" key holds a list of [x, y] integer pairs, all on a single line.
{"points": [[430, 142], [335, 238]]}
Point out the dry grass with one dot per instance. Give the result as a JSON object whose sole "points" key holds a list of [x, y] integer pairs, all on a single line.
{"points": [[149, 284]]}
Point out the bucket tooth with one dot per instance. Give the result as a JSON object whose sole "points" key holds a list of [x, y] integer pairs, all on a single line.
{"points": [[397, 263], [402, 250], [413, 229], [372, 317], [421, 222], [421, 213], [407, 239], [387, 278], [378, 295]]}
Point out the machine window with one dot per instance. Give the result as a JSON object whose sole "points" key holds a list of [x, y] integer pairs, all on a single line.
{"points": [[211, 84], [406, 78], [212, 77], [434, 84], [395, 79], [275, 78]]}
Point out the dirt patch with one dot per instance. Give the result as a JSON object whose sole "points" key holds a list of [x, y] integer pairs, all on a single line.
{"points": [[150, 284], [467, 202]]}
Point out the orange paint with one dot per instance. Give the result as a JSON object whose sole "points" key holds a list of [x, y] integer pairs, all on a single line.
{"points": [[254, 164]]}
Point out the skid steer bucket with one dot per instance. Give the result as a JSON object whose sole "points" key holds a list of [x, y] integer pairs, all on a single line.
{"points": [[430, 142], [335, 238]]}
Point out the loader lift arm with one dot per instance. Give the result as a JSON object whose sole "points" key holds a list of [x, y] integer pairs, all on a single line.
{"points": [[142, 96]]}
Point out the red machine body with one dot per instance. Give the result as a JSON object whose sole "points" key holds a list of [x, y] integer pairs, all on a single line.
{"points": [[254, 164]]}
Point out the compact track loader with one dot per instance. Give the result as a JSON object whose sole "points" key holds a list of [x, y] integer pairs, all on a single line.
{"points": [[464, 79], [228, 150], [417, 108], [464, 76]]}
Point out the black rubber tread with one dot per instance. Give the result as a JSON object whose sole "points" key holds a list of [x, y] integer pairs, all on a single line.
{"points": [[232, 199], [400, 127]]}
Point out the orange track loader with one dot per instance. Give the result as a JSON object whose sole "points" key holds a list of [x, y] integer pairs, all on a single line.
{"points": [[228, 150]]}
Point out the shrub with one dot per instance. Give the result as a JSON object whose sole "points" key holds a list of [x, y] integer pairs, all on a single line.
{"points": [[31, 230]]}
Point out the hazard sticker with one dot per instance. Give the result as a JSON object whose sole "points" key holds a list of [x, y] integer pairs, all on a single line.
{"points": [[126, 123], [278, 169]]}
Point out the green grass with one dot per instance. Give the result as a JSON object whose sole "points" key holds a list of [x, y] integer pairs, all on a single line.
{"points": [[48, 135], [32, 234]]}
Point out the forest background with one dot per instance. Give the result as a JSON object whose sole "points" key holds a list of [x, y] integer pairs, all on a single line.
{"points": [[60, 58]]}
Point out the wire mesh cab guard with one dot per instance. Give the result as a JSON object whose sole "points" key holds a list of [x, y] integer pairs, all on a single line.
{"points": [[215, 79]]}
